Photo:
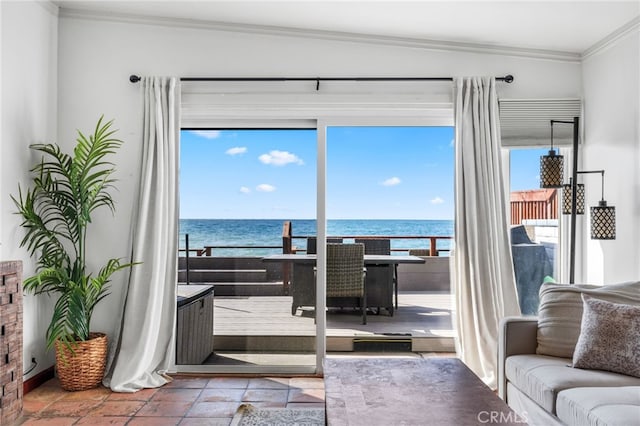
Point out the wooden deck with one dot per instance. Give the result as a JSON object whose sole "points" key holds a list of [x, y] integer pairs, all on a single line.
{"points": [[240, 322]]}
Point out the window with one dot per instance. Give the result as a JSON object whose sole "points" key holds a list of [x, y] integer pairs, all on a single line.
{"points": [[535, 227]]}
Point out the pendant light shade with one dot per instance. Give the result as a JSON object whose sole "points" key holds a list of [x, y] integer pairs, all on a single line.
{"points": [[567, 198], [551, 167], [603, 218], [603, 222], [551, 170]]}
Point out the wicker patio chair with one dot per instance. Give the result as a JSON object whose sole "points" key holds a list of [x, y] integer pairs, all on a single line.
{"points": [[381, 246], [375, 245], [312, 244], [346, 274], [419, 252]]}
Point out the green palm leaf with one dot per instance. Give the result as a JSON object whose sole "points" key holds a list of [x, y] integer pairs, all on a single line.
{"points": [[56, 211]]}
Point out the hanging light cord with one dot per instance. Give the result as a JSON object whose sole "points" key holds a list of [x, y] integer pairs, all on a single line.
{"points": [[552, 123], [595, 171]]}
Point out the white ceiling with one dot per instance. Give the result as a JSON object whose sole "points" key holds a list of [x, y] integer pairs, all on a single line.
{"points": [[563, 26]]}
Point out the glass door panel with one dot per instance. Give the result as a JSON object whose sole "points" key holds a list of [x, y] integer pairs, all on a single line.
{"points": [[244, 195], [535, 227], [391, 189]]}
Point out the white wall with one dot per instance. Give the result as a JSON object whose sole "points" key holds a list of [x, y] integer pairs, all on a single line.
{"points": [[97, 56], [29, 115], [612, 142]]}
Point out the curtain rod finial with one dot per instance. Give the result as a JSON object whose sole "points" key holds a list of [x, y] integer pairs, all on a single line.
{"points": [[134, 78], [508, 78]]}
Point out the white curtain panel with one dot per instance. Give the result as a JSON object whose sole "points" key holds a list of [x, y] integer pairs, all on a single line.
{"points": [[482, 274], [143, 349]]}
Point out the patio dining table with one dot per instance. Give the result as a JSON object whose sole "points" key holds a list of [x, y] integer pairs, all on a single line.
{"points": [[380, 278], [369, 259]]}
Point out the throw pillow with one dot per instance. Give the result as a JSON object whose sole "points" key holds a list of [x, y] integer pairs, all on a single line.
{"points": [[560, 312], [609, 337]]}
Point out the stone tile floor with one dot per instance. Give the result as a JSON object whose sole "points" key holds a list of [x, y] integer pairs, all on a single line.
{"points": [[185, 401]]}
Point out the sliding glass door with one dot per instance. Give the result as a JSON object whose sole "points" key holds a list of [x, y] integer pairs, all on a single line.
{"points": [[245, 194], [393, 185], [250, 196]]}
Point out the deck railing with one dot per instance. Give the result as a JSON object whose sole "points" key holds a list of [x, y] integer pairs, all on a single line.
{"points": [[533, 204], [431, 239], [288, 247]]}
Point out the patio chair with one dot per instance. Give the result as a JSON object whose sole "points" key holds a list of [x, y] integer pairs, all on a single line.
{"points": [[382, 282], [375, 245], [346, 274], [303, 285], [312, 244], [419, 252]]}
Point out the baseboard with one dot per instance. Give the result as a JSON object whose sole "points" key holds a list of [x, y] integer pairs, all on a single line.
{"points": [[38, 379]]}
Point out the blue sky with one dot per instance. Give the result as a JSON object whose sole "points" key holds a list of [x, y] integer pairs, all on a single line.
{"points": [[525, 168], [372, 173]]}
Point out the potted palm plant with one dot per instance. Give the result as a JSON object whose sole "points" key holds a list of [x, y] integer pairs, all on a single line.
{"points": [[57, 209]]}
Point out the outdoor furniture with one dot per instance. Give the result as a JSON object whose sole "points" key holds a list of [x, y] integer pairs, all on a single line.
{"points": [[531, 264], [312, 244], [346, 274], [303, 288], [380, 278], [419, 252], [375, 245], [194, 323]]}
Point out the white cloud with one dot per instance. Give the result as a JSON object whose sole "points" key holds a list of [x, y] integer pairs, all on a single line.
{"points": [[437, 200], [392, 181], [265, 187], [244, 190], [236, 150], [280, 158], [452, 143], [208, 134]]}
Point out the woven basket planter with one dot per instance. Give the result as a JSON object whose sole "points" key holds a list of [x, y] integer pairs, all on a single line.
{"points": [[84, 369]]}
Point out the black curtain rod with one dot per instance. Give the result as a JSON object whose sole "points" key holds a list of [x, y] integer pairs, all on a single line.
{"points": [[134, 79]]}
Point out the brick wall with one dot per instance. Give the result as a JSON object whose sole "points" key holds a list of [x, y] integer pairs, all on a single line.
{"points": [[10, 342]]}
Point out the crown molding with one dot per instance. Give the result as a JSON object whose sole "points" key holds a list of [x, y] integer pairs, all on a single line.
{"points": [[435, 45], [49, 6], [613, 38]]}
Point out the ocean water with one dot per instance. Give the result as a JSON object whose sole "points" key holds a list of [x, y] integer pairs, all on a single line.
{"points": [[268, 232]]}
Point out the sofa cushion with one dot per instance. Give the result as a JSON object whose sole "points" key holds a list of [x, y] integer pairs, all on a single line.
{"points": [[609, 337], [560, 312], [597, 406], [531, 412], [542, 377]]}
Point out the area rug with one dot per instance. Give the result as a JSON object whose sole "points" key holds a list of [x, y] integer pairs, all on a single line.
{"points": [[248, 415]]}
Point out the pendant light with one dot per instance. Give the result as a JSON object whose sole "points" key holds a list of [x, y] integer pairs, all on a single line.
{"points": [[551, 167], [567, 193], [603, 218]]}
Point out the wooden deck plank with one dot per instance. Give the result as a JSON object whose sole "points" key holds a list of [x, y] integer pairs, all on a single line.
{"points": [[422, 314]]}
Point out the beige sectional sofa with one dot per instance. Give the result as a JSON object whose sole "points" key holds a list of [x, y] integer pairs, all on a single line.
{"points": [[536, 376]]}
